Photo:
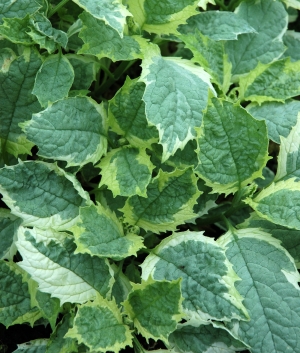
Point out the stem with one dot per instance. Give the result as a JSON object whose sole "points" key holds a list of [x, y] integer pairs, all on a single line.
{"points": [[56, 8], [138, 345], [125, 65], [233, 4], [221, 4]]}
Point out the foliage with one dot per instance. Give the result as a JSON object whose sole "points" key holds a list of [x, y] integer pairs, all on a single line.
{"points": [[150, 167]]}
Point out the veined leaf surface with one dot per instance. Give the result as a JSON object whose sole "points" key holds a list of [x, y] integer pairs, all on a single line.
{"points": [[61, 273], [170, 200], [231, 168], [207, 276], [270, 290], [71, 130], [18, 8]]}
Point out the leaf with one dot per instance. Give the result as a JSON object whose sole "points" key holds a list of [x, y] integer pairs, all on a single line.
{"points": [[175, 96], [155, 308], [53, 80], [277, 81], [34, 346], [170, 200], [292, 3], [67, 276], [127, 115], [71, 130], [291, 40], [155, 17], [17, 8], [203, 338], [207, 276], [8, 231], [126, 171], [279, 203], [203, 3], [17, 102], [101, 316], [110, 44], [270, 290], [211, 56], [45, 35], [57, 343], [216, 25], [15, 298], [269, 19], [122, 285], [233, 147], [186, 157], [279, 117], [100, 233], [112, 12], [289, 155], [51, 198], [15, 30], [85, 70], [289, 238]]}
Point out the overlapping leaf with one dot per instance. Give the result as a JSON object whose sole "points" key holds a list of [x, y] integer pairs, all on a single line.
{"points": [[16, 101], [161, 18], [270, 290], [101, 316], [74, 278], [127, 115], [100, 233], [227, 169], [126, 171], [170, 200], [8, 231], [175, 96], [279, 203], [269, 19], [291, 40], [85, 70], [109, 44], [155, 308], [18, 8], [42, 194], [53, 80], [71, 130], [208, 281]]}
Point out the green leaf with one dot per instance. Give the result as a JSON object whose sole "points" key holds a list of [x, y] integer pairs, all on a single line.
{"points": [[58, 271], [53, 80], [292, 3], [112, 12], [85, 69], [279, 117], [50, 198], [100, 233], [279, 203], [185, 158], [109, 44], [289, 238], [101, 316], [203, 3], [15, 300], [269, 19], [170, 200], [122, 285], [15, 30], [34, 346], [233, 147], [18, 8], [57, 342], [291, 40], [208, 280], [45, 35], [126, 171], [270, 290], [203, 338], [8, 230], [155, 17], [71, 130], [211, 56], [127, 115], [155, 308], [216, 25], [289, 155], [277, 81], [16, 101], [175, 96]]}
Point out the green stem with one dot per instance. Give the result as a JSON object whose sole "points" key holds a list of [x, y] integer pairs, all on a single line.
{"points": [[138, 345], [57, 7], [221, 4], [124, 66], [234, 4]]}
